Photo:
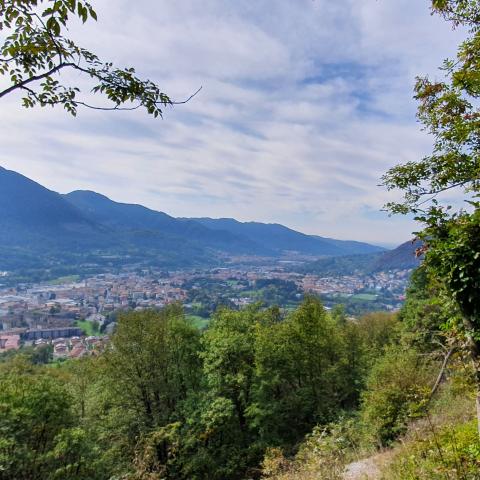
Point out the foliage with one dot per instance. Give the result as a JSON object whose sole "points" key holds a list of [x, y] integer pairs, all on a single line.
{"points": [[88, 327], [449, 111], [39, 355], [452, 452], [169, 401], [427, 312], [153, 364], [322, 455], [35, 51], [398, 386], [39, 438], [299, 363], [455, 256]]}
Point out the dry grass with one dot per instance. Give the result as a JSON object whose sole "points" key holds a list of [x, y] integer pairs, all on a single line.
{"points": [[330, 457]]}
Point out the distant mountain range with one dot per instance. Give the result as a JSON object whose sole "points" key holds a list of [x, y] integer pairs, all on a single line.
{"points": [[278, 238], [40, 228]]}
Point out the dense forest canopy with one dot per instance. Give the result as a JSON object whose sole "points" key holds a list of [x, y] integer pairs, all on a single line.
{"points": [[172, 402]]}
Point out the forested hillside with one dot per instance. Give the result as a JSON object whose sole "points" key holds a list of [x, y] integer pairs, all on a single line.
{"points": [[46, 235], [404, 257], [236, 401]]}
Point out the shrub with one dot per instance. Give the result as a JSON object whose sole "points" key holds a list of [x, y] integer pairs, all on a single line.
{"points": [[397, 387], [453, 452]]}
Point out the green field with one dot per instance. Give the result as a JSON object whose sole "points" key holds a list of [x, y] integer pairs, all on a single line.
{"points": [[87, 327], [364, 297], [369, 297], [66, 279]]}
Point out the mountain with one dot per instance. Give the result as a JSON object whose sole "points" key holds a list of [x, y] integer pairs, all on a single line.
{"points": [[82, 231], [283, 239], [401, 258], [41, 229], [138, 220], [32, 215]]}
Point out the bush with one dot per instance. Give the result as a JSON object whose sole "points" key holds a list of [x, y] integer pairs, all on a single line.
{"points": [[322, 456], [452, 452], [397, 387]]}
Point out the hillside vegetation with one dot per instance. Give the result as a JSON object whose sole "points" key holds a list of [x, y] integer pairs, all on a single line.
{"points": [[416, 414], [401, 258], [257, 394]]}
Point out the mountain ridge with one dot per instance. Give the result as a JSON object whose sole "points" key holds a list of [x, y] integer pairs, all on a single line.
{"points": [[86, 227], [282, 238], [403, 257]]}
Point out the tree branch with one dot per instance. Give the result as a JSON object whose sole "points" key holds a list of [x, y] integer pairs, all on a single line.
{"points": [[188, 99], [434, 193], [57, 46], [442, 372], [35, 78]]}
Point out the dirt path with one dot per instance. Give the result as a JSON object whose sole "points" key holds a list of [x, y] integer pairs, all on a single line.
{"points": [[368, 468], [362, 470]]}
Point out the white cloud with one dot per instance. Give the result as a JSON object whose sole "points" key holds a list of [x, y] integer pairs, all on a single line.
{"points": [[304, 105]]}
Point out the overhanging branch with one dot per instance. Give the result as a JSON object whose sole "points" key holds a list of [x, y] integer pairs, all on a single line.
{"points": [[35, 78]]}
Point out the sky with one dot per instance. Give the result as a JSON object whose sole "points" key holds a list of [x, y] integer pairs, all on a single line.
{"points": [[304, 105]]}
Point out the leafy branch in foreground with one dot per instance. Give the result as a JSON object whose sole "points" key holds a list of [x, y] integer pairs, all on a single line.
{"points": [[35, 51], [450, 112]]}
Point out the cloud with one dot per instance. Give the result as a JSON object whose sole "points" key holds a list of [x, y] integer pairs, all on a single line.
{"points": [[304, 105]]}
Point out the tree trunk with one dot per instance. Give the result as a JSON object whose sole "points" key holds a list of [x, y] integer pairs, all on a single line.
{"points": [[474, 345]]}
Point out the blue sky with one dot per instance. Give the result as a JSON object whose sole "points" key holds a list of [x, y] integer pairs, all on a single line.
{"points": [[305, 103]]}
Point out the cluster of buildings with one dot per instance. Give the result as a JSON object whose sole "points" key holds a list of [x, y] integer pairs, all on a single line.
{"points": [[77, 347], [394, 282], [52, 306], [49, 312]]}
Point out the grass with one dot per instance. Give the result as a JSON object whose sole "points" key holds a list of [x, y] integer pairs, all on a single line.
{"points": [[364, 297], [369, 297], [444, 444], [87, 327], [451, 452], [65, 279]]}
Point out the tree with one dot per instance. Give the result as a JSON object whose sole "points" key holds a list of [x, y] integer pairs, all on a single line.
{"points": [[449, 111], [153, 364], [38, 435], [300, 366], [35, 51], [397, 388], [223, 440]]}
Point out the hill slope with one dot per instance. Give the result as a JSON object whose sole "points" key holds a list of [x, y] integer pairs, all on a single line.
{"points": [[280, 239], [137, 219], [401, 258], [34, 216]]}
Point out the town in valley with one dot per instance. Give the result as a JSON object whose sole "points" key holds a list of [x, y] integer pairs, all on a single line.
{"points": [[76, 316]]}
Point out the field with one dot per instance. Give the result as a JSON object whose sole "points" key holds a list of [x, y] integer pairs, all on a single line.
{"points": [[369, 297], [87, 327], [363, 297], [65, 279]]}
